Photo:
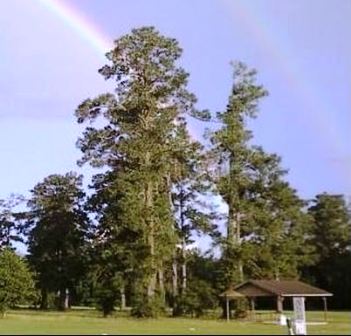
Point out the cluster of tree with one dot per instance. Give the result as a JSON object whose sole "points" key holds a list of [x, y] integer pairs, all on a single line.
{"points": [[127, 243]]}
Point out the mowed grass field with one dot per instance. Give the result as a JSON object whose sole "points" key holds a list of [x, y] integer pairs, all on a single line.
{"points": [[89, 322]]}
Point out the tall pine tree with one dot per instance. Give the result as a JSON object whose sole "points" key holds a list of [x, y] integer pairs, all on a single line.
{"points": [[135, 142], [232, 157]]}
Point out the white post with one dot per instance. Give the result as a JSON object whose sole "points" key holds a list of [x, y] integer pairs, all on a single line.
{"points": [[300, 315]]}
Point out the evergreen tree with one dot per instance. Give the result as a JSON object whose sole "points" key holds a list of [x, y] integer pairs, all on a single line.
{"points": [[330, 236], [191, 187], [57, 229], [232, 159], [136, 143], [276, 227], [266, 222], [10, 229], [16, 281]]}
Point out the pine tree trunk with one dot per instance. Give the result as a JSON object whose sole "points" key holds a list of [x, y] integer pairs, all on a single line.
{"points": [[241, 271], [182, 225], [44, 303], [67, 306], [234, 237], [123, 298], [162, 285], [63, 299], [184, 273], [231, 226], [151, 234], [175, 277], [153, 276], [238, 242]]}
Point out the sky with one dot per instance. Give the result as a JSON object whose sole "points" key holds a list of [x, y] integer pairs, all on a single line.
{"points": [[301, 49]]}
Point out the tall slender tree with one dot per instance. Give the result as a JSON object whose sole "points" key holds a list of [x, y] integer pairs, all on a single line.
{"points": [[267, 224], [232, 157], [190, 189]]}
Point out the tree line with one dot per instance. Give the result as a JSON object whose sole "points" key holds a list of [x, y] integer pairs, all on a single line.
{"points": [[156, 192]]}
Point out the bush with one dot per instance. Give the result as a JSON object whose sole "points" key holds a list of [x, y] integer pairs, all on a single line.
{"points": [[16, 281], [198, 297], [240, 313], [241, 309], [106, 301], [107, 295], [187, 303], [144, 307]]}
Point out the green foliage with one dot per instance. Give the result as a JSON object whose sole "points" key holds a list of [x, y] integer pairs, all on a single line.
{"points": [[241, 308], [156, 192], [143, 307], [107, 294], [10, 230], [330, 237], [266, 223], [137, 145], [16, 281], [198, 297], [275, 231], [233, 160], [331, 225], [57, 231]]}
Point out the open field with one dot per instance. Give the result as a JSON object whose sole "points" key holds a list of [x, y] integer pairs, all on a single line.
{"points": [[89, 322]]}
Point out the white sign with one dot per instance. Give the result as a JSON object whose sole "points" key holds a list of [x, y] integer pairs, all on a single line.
{"points": [[300, 315]]}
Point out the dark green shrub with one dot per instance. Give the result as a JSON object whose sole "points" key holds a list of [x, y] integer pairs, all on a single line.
{"points": [[144, 307], [107, 295], [16, 281], [198, 297]]}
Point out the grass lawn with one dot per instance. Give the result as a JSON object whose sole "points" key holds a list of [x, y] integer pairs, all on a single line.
{"points": [[89, 322]]}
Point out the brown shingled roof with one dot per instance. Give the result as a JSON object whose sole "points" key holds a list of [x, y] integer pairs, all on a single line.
{"points": [[284, 288], [232, 294]]}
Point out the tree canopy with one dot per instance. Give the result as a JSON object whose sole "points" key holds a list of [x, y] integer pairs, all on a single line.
{"points": [[128, 239]]}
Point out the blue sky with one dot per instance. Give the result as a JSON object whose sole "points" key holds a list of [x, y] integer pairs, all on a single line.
{"points": [[300, 48]]}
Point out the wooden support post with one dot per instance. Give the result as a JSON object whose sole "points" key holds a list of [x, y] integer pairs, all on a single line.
{"points": [[325, 308], [227, 306], [252, 301], [280, 307]]}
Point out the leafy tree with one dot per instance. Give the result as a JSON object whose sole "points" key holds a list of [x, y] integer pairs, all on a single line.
{"points": [[57, 231], [107, 293], [197, 297], [330, 236], [202, 291], [135, 144], [118, 246], [276, 226], [16, 281], [331, 231], [10, 231]]}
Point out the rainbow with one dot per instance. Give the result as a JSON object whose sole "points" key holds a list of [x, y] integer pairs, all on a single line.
{"points": [[319, 119], [79, 23], [320, 115]]}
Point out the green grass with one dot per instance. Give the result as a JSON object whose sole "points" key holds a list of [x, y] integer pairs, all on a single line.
{"points": [[89, 322]]}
